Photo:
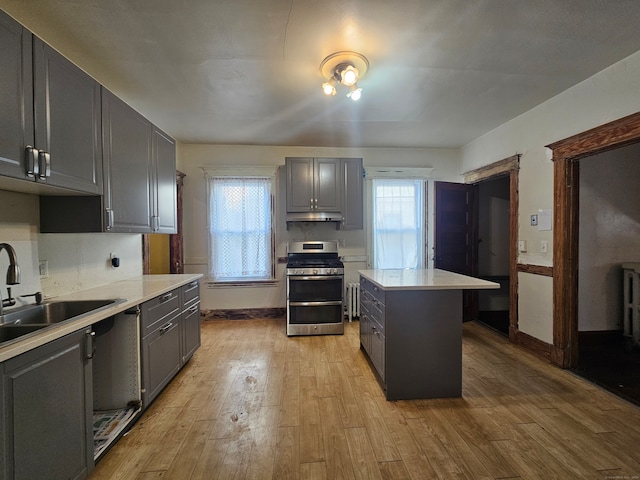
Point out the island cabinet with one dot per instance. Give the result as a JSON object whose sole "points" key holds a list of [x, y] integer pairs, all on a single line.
{"points": [[313, 184], [47, 411], [50, 115], [413, 339]]}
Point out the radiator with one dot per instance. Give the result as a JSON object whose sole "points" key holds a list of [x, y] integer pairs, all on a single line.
{"points": [[353, 300]]}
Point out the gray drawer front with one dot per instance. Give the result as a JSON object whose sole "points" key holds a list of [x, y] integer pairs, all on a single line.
{"points": [[154, 311], [191, 292]]}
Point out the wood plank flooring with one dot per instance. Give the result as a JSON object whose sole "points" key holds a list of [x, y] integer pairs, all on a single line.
{"points": [[255, 404]]}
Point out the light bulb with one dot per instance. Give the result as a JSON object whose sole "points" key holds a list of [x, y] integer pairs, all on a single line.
{"points": [[328, 89], [349, 75], [355, 94]]}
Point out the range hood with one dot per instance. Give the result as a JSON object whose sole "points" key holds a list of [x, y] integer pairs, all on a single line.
{"points": [[314, 217]]}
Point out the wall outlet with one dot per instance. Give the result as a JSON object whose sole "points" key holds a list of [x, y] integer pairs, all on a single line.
{"points": [[522, 246], [534, 220]]}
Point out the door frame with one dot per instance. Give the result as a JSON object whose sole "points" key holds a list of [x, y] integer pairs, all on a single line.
{"points": [[508, 166], [566, 155]]}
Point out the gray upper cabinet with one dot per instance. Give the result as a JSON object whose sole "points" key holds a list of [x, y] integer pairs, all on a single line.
{"points": [[16, 96], [164, 185], [128, 167], [67, 122], [352, 211], [313, 184], [52, 106]]}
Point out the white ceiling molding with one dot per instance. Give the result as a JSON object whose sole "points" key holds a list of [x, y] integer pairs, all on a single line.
{"points": [[398, 172], [243, 171]]}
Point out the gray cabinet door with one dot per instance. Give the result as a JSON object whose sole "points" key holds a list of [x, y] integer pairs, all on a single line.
{"points": [[127, 144], [165, 196], [313, 184], [16, 96], [327, 185], [190, 331], [352, 209], [161, 359], [67, 121], [300, 193], [48, 396]]}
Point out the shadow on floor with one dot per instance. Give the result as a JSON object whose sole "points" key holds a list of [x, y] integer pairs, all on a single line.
{"points": [[612, 363], [496, 320]]}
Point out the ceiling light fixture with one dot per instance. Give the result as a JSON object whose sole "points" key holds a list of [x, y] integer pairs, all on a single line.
{"points": [[345, 68]]}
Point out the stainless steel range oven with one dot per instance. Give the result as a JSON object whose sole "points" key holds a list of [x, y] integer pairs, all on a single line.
{"points": [[315, 284]]}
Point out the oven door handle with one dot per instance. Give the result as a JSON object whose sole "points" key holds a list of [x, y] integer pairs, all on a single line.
{"points": [[316, 277], [314, 304]]}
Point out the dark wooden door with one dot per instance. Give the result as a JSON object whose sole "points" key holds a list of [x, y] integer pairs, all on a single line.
{"points": [[456, 232]]}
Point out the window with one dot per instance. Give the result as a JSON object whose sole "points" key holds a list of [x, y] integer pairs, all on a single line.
{"points": [[397, 226], [240, 229]]}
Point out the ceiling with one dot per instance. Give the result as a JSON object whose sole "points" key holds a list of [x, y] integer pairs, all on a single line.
{"points": [[442, 72]]}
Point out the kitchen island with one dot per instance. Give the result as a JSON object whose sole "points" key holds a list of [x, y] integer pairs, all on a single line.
{"points": [[411, 330]]}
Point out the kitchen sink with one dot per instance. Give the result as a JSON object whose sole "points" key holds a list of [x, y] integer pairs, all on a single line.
{"points": [[23, 320], [11, 332]]}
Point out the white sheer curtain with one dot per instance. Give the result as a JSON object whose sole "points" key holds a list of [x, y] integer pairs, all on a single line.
{"points": [[398, 233], [240, 228]]}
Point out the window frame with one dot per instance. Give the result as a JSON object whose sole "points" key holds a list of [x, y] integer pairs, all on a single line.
{"points": [[406, 174], [242, 173]]}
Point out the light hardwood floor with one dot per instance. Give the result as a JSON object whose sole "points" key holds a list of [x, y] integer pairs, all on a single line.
{"points": [[254, 404]]}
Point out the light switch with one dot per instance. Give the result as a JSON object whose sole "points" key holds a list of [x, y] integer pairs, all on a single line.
{"points": [[522, 245], [544, 245]]}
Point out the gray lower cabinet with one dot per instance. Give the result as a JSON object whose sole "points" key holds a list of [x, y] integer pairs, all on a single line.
{"points": [[413, 339], [161, 356], [190, 323], [170, 331], [47, 411]]}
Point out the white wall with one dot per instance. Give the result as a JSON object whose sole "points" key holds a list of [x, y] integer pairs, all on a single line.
{"points": [[607, 96], [609, 234], [76, 261], [352, 243]]}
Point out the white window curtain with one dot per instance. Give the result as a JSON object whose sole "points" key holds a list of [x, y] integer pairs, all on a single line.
{"points": [[240, 228], [398, 223]]}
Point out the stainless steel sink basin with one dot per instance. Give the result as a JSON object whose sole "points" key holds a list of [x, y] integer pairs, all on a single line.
{"points": [[23, 320], [11, 332]]}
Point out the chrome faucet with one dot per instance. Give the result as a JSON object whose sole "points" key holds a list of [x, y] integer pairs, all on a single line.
{"points": [[13, 275]]}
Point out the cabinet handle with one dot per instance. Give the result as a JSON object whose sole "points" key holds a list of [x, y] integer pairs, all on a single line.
{"points": [[44, 164], [155, 223], [31, 161], [166, 297], [193, 284], [311, 203], [164, 329], [316, 203], [90, 346], [193, 309], [109, 212]]}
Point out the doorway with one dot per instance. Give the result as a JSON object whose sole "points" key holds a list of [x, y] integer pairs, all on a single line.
{"points": [[566, 156], [505, 174], [493, 252]]}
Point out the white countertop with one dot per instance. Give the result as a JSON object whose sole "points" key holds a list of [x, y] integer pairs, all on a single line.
{"points": [[133, 291], [425, 279]]}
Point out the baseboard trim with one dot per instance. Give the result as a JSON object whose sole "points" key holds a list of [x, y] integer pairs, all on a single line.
{"points": [[243, 314], [533, 345]]}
